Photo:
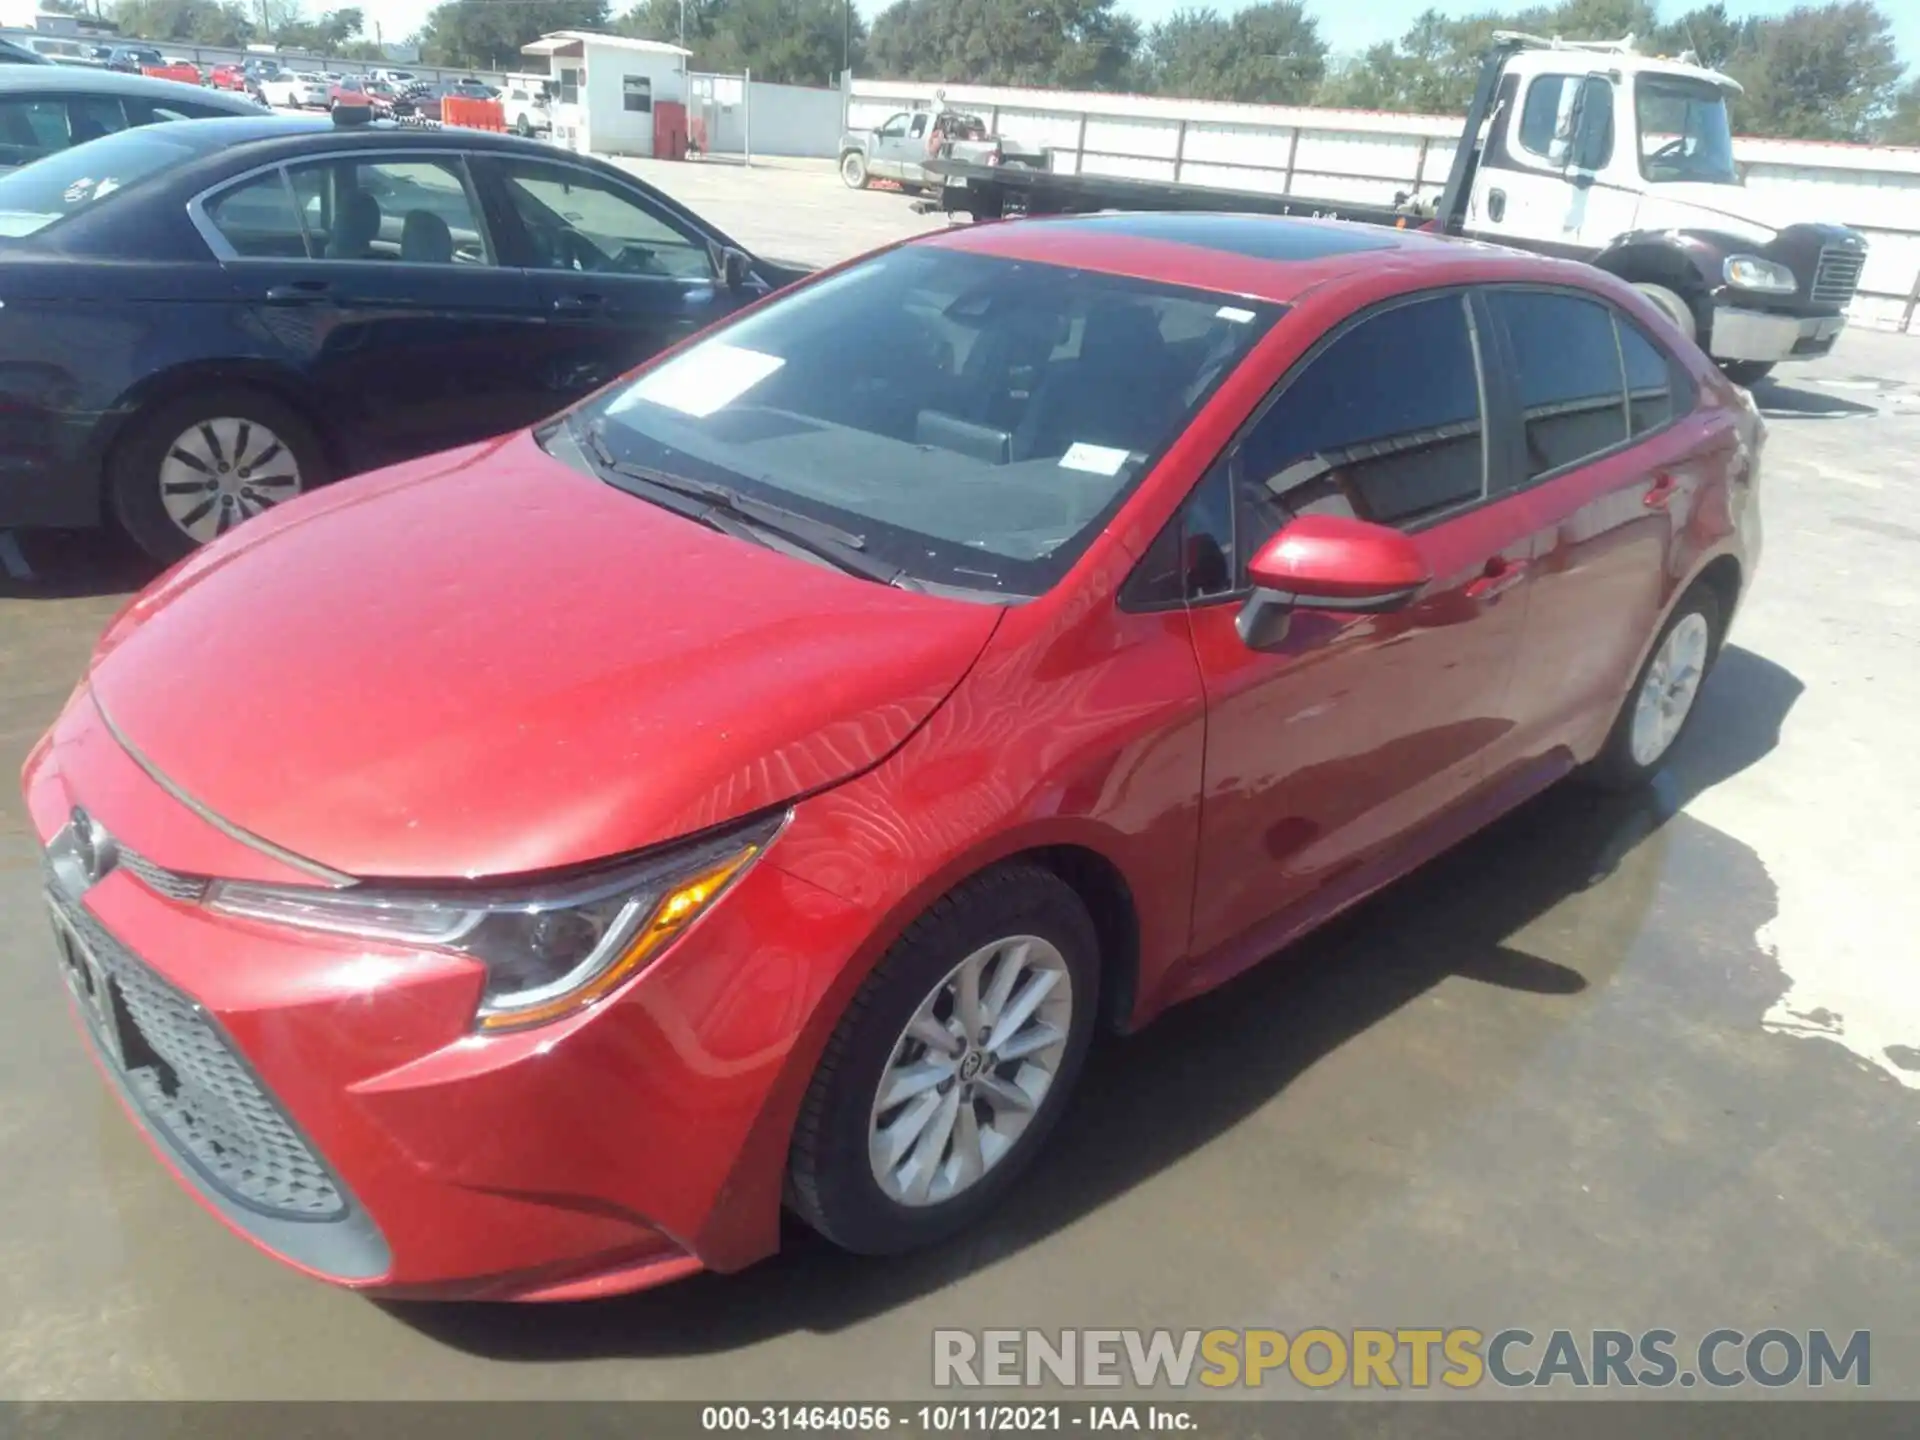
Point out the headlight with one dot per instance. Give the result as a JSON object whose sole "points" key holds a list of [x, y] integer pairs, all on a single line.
{"points": [[549, 949], [1750, 272]]}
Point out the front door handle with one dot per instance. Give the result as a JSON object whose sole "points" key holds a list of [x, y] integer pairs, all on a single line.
{"points": [[1500, 576], [1496, 205], [1660, 494], [579, 304]]}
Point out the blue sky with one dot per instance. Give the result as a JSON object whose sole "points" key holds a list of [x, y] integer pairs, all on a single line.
{"points": [[1348, 25]]}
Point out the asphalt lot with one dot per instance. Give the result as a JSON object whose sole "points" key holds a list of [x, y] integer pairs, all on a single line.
{"points": [[1632, 1064]]}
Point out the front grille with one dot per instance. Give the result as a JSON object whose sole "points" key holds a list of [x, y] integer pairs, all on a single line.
{"points": [[1837, 274], [170, 883], [197, 1092]]}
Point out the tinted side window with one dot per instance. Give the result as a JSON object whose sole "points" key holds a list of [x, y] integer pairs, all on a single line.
{"points": [[258, 219], [1650, 383], [1384, 424], [1567, 366], [576, 220], [412, 210]]}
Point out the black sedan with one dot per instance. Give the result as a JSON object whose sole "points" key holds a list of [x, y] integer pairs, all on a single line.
{"points": [[49, 108], [203, 319]]}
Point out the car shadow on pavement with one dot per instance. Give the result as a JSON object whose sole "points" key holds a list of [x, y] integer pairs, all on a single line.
{"points": [[1147, 1103], [1790, 402], [70, 564]]}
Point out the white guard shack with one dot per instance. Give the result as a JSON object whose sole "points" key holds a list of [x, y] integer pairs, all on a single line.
{"points": [[605, 87]]}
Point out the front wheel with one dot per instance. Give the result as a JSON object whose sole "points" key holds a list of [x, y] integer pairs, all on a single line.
{"points": [[1746, 372], [1662, 700], [951, 1065], [853, 170], [191, 469], [1675, 306]]}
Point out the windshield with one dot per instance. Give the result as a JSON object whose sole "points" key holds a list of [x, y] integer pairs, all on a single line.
{"points": [[1684, 134], [974, 420], [68, 181]]}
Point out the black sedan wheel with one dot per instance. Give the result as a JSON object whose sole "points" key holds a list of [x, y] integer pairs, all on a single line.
{"points": [[191, 470]]}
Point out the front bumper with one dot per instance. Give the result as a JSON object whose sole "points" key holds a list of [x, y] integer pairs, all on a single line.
{"points": [[327, 1099], [1741, 334]]}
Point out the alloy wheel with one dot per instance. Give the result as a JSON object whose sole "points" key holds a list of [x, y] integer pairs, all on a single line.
{"points": [[1667, 694], [222, 471], [970, 1070]]}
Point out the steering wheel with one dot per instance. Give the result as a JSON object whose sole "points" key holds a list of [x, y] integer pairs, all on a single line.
{"points": [[575, 252], [1672, 149]]}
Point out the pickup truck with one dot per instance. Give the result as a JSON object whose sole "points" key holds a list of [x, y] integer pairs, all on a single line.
{"points": [[900, 148], [1586, 150]]}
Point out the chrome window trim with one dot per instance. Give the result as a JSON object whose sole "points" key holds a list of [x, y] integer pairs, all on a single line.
{"points": [[227, 255]]}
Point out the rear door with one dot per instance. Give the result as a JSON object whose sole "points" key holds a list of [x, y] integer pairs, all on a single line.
{"points": [[1599, 411], [376, 273], [1329, 753], [619, 273]]}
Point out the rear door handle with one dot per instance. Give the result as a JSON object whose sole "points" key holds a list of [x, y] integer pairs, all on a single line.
{"points": [[1661, 492], [298, 292], [579, 304], [1501, 575]]}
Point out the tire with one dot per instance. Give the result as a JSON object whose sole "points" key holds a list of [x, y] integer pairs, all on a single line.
{"points": [[1014, 914], [1746, 372], [150, 456], [853, 170], [1621, 764], [1675, 305]]}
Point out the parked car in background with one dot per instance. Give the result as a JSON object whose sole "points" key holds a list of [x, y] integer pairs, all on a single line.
{"points": [[47, 109], [428, 289], [395, 77], [228, 77], [13, 54], [62, 51], [813, 742], [291, 90], [188, 71], [898, 148], [387, 101], [350, 88], [133, 59], [526, 108]]}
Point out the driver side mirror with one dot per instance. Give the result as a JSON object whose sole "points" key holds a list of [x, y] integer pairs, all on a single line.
{"points": [[736, 269], [1328, 562], [1593, 125]]}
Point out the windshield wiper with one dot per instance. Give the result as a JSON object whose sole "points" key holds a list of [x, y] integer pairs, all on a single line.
{"points": [[727, 507]]}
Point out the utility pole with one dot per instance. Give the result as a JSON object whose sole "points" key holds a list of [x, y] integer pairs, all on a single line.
{"points": [[846, 41], [683, 24]]}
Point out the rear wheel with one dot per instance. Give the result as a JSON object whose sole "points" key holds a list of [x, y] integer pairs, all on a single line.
{"points": [[951, 1065], [853, 170], [1663, 697], [1746, 372], [191, 469], [1675, 305]]}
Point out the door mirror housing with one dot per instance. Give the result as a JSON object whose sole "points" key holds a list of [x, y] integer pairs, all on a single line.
{"points": [[736, 269], [1328, 562]]}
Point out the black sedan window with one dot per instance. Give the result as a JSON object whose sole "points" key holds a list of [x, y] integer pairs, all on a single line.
{"points": [[35, 125], [66, 183]]}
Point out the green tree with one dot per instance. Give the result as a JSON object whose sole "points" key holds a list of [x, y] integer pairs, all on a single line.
{"points": [[188, 22], [485, 34], [1075, 44], [1825, 73], [797, 42], [1710, 33], [1903, 125], [1270, 52]]}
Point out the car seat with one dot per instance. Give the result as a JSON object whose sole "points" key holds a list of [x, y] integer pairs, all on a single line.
{"points": [[425, 239], [356, 222]]}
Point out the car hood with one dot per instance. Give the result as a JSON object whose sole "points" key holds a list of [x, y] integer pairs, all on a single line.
{"points": [[486, 663], [1691, 204]]}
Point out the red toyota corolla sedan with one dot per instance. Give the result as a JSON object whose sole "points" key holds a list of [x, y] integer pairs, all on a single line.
{"points": [[520, 873]]}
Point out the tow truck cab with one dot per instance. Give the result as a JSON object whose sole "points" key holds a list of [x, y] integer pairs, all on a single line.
{"points": [[1592, 151]]}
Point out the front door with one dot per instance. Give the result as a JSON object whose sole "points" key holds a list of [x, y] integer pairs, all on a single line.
{"points": [[375, 278], [619, 274], [1328, 752], [1535, 187]]}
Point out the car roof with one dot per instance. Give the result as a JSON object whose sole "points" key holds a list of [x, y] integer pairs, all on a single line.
{"points": [[319, 132], [1268, 257], [74, 79]]}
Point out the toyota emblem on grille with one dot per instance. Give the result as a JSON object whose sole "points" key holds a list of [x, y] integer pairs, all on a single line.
{"points": [[82, 854]]}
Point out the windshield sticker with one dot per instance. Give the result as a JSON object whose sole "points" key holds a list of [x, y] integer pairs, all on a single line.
{"points": [[705, 379], [1094, 459], [1233, 313]]}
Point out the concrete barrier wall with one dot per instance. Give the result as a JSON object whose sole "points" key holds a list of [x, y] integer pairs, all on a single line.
{"points": [[1369, 156]]}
